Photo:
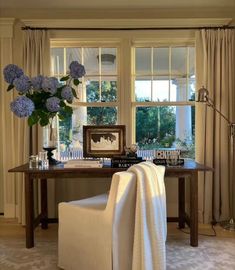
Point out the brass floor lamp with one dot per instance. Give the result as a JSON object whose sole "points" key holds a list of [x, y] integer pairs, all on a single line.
{"points": [[203, 96]]}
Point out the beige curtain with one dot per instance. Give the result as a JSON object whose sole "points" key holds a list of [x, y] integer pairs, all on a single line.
{"points": [[36, 60], [14, 131], [215, 69]]}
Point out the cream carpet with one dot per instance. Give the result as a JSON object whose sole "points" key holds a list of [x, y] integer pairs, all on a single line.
{"points": [[217, 253]]}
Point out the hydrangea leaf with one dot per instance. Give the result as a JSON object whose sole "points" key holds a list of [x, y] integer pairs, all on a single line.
{"points": [[33, 119], [44, 121], [74, 93], [10, 86], [65, 78], [76, 82]]}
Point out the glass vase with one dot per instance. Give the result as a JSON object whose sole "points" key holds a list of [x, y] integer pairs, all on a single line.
{"points": [[50, 141]]}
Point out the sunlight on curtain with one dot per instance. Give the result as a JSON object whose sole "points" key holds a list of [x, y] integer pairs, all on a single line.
{"points": [[36, 60], [215, 69], [13, 149]]}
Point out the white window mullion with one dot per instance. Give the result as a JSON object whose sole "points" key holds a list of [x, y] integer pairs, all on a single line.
{"points": [[65, 60], [151, 73], [100, 74], [170, 73], [83, 90], [187, 74]]}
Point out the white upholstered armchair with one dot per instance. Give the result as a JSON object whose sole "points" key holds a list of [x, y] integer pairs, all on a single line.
{"points": [[118, 231]]}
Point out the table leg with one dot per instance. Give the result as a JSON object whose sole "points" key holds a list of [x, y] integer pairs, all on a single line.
{"points": [[194, 209], [181, 202], [29, 211], [44, 223]]}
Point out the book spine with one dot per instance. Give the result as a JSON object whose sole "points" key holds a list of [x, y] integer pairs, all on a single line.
{"points": [[126, 160], [84, 162], [163, 161], [83, 165], [124, 164], [159, 161]]}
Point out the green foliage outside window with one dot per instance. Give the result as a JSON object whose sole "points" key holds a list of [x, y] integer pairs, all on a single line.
{"points": [[102, 115], [155, 126]]}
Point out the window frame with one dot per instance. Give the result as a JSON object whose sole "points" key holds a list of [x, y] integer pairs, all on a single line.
{"points": [[154, 44], [92, 44], [125, 41]]}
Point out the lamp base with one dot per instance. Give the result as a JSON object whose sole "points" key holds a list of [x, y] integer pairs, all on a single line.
{"points": [[228, 225], [51, 160]]}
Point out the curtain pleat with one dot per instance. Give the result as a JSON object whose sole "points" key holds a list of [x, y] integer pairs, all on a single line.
{"points": [[215, 70]]}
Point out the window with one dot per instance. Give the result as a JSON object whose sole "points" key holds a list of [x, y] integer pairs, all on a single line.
{"points": [[153, 95], [98, 92], [164, 85]]}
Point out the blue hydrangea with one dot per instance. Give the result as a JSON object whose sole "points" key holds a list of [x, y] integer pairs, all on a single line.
{"points": [[67, 93], [53, 104], [76, 70], [22, 106], [11, 72], [22, 84], [37, 82], [50, 84]]}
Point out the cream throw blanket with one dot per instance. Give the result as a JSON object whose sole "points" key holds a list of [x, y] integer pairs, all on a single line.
{"points": [[150, 218]]}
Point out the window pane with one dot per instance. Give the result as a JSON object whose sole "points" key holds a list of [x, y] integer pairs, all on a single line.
{"points": [[92, 91], [108, 91], [108, 61], [57, 61], [91, 62], [178, 60], [143, 89], [166, 126], [101, 115], [73, 54], [155, 127], [143, 60], [161, 90], [179, 89], [191, 61], [161, 61], [192, 87]]}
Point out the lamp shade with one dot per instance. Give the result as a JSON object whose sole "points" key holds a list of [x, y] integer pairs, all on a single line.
{"points": [[202, 95]]}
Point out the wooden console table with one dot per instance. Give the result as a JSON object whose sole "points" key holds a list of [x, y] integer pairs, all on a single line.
{"points": [[189, 169]]}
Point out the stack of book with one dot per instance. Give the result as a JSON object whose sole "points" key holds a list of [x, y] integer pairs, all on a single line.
{"points": [[124, 161], [84, 163]]}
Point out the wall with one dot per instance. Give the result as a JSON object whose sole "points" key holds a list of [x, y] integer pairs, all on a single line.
{"points": [[143, 13]]}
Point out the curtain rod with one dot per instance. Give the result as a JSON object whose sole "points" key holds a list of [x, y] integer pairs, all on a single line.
{"points": [[127, 29]]}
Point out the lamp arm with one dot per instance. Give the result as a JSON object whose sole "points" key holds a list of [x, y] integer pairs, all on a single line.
{"points": [[210, 103]]}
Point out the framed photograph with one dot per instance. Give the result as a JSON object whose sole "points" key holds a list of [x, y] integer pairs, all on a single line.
{"points": [[104, 141]]}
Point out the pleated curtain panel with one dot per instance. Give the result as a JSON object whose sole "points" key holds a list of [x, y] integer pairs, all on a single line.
{"points": [[14, 137], [36, 60], [215, 70]]}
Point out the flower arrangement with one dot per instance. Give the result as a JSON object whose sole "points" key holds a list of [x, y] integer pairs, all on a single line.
{"points": [[42, 98]]}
